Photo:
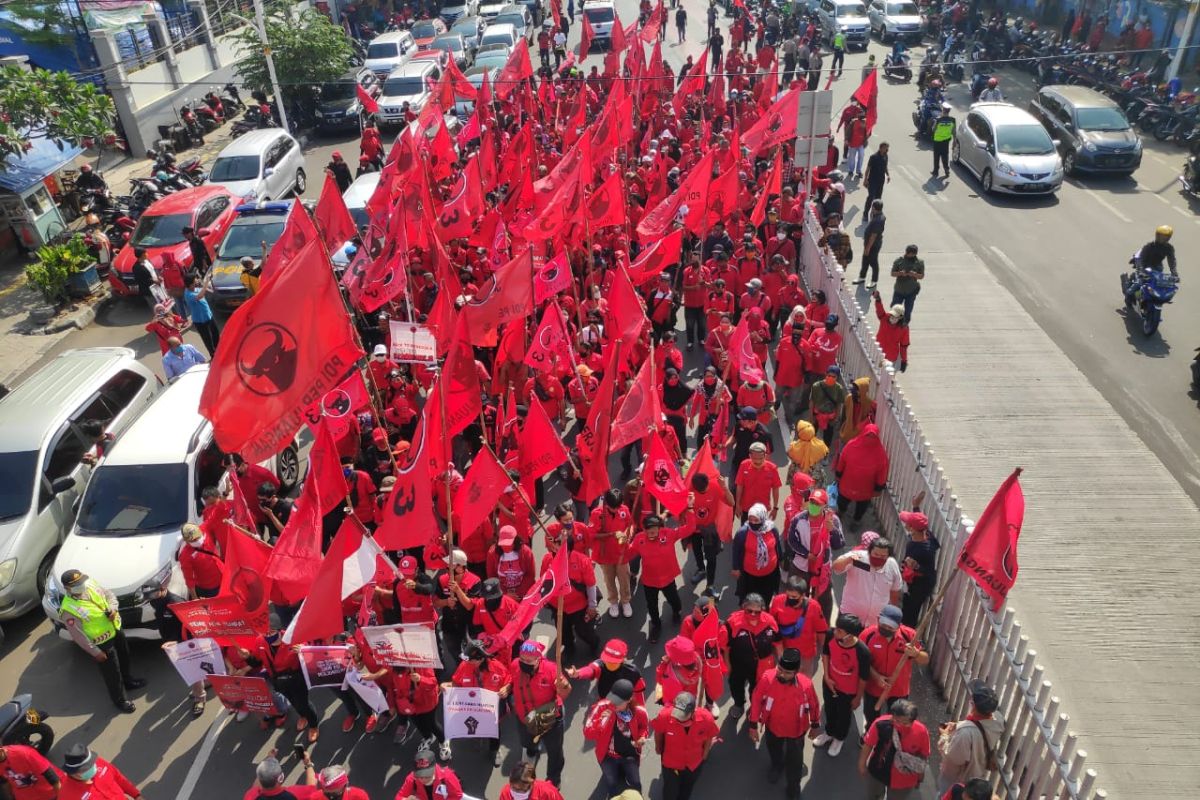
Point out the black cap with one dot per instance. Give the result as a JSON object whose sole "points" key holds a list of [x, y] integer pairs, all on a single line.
{"points": [[78, 758], [621, 692], [72, 577], [984, 697], [492, 590], [789, 659]]}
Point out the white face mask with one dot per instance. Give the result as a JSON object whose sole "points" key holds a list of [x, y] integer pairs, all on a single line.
{"points": [[781, 236], [196, 544], [521, 795]]}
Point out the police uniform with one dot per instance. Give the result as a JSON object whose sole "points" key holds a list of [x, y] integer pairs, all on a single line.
{"points": [[943, 132], [92, 619]]}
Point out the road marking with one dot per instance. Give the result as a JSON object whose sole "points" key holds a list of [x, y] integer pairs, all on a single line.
{"points": [[1003, 256], [1110, 207], [201, 760], [1159, 159]]}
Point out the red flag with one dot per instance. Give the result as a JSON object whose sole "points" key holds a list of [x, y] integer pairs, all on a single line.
{"points": [[550, 341], [551, 278], [618, 41], [325, 464], [764, 93], [539, 446], [462, 86], [593, 438], [585, 38], [663, 481], [719, 202], [990, 555], [333, 219], [298, 231], [488, 158], [482, 487], [297, 553], [460, 212], [241, 506], [286, 345], [408, 516], [607, 130], [246, 576], [626, 309], [368, 103], [460, 382], [639, 412], [692, 82], [469, 132], [776, 125], [516, 70], [774, 187], [518, 155], [707, 639], [503, 298], [722, 515], [867, 96], [555, 582], [742, 359], [692, 191], [657, 257], [654, 23], [348, 567], [716, 94], [606, 206]]}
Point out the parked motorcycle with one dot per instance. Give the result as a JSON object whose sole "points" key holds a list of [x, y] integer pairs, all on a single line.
{"points": [[191, 124], [190, 170], [253, 120], [1147, 291], [209, 119], [1190, 178], [231, 99], [21, 723]]}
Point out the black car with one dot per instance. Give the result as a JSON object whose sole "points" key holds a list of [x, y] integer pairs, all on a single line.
{"points": [[338, 105], [1092, 132]]}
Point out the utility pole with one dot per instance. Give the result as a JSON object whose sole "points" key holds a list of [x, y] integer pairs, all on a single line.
{"points": [[1184, 40], [266, 46]]}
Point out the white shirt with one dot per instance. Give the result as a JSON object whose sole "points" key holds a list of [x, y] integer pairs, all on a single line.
{"points": [[868, 590]]}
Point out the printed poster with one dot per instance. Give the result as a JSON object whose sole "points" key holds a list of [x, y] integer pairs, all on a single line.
{"points": [[220, 617], [404, 645], [244, 694], [471, 713], [324, 666], [196, 659]]}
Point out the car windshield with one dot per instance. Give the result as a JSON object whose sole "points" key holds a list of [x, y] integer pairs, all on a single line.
{"points": [[468, 28], [601, 14], [337, 91], [160, 230], [16, 490], [359, 215], [496, 37], [1102, 119], [516, 20], [451, 44], [423, 30], [382, 50], [902, 10], [1023, 140], [246, 240], [403, 86], [234, 168], [125, 500], [852, 11]]}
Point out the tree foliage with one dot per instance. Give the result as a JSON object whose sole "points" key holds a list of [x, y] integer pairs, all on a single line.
{"points": [[41, 23], [43, 104], [307, 47]]}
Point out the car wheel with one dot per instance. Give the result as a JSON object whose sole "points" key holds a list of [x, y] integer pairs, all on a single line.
{"points": [[985, 180], [955, 152], [1069, 163], [301, 182], [287, 467], [43, 573]]}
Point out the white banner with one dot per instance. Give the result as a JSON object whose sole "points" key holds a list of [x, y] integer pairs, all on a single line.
{"points": [[404, 645], [471, 713], [196, 659], [412, 344], [369, 691]]}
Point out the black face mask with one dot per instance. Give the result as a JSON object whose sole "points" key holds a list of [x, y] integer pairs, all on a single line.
{"points": [[491, 604], [528, 669], [886, 633], [782, 679], [793, 601]]}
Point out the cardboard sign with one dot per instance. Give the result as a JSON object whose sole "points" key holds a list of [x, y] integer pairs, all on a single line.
{"points": [[471, 713], [196, 659], [220, 616], [369, 691], [324, 666], [412, 344], [412, 646], [244, 694]]}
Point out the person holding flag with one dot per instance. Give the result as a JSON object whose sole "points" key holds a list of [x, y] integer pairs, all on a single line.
{"points": [[657, 546], [538, 693]]}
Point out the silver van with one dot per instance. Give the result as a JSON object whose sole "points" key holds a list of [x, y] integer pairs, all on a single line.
{"points": [[42, 457]]}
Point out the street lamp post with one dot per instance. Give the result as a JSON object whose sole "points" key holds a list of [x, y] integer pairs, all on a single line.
{"points": [[261, 26]]}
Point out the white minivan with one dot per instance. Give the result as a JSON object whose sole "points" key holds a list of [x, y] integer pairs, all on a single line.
{"points": [[388, 51], [127, 533], [850, 16], [262, 165]]}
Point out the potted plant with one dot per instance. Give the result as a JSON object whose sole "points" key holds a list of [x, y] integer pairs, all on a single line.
{"points": [[63, 270]]}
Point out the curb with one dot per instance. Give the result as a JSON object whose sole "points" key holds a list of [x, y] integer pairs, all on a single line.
{"points": [[78, 320]]}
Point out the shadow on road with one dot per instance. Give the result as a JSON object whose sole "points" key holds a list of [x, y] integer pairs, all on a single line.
{"points": [[1154, 346]]}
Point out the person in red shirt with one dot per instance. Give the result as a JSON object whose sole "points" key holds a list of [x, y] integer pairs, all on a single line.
{"points": [[166, 325], [890, 770], [511, 563], [789, 374], [719, 302], [696, 278], [678, 671], [334, 784], [565, 524], [409, 598], [845, 667], [495, 611], [657, 547], [249, 477], [757, 481], [429, 780], [785, 704], [89, 777], [893, 333], [717, 343], [610, 667], [380, 368], [524, 784], [201, 566], [756, 392], [890, 642], [537, 693], [416, 696], [683, 737], [750, 648], [611, 522], [27, 774], [371, 145], [579, 605], [619, 728], [802, 624], [481, 670]]}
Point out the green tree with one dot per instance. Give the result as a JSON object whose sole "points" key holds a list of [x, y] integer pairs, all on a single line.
{"points": [[308, 50], [42, 104]]}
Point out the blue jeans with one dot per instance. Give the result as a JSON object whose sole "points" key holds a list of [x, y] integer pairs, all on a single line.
{"points": [[907, 300], [620, 774]]}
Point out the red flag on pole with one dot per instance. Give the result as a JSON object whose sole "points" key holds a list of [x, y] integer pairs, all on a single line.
{"points": [[989, 556], [286, 345], [691, 191], [348, 567], [867, 96], [707, 638], [662, 479], [626, 309], [555, 582], [476, 497], [325, 464], [657, 257], [368, 103], [585, 38], [516, 70], [539, 446], [460, 381], [774, 187], [775, 126], [333, 218], [298, 230], [639, 412], [721, 513], [606, 206], [594, 436], [297, 554], [506, 296], [551, 278], [654, 23], [408, 518], [246, 576], [549, 341]]}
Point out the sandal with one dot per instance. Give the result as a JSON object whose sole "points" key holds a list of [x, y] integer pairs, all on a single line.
{"points": [[313, 733], [197, 706]]}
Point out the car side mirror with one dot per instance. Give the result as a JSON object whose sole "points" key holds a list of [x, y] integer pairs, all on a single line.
{"points": [[1057, 142], [63, 484], [268, 172], [983, 145], [203, 232]]}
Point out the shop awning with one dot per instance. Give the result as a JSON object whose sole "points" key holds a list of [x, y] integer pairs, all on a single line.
{"points": [[18, 174]]}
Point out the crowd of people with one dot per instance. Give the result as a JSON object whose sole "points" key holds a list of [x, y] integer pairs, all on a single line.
{"points": [[711, 216]]}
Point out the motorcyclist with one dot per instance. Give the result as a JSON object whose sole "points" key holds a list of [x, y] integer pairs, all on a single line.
{"points": [[992, 93], [1153, 253], [89, 180], [933, 94], [898, 49], [930, 67]]}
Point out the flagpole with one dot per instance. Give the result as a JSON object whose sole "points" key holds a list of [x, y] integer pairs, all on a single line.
{"points": [[922, 628], [449, 469]]}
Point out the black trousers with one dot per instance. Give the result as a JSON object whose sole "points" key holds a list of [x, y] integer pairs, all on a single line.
{"points": [[860, 507], [427, 725], [870, 260], [292, 686], [208, 334], [671, 592], [742, 681], [115, 669], [914, 601], [764, 585], [788, 755], [575, 625], [706, 546], [695, 326], [874, 192], [941, 155], [680, 426], [839, 58], [552, 741], [677, 784], [838, 713], [868, 705]]}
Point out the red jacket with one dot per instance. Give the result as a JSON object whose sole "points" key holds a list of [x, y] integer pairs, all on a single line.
{"points": [[787, 710], [682, 746], [107, 784], [492, 622], [542, 790], [417, 696], [25, 773], [517, 576], [201, 567], [494, 677], [892, 338], [529, 692], [603, 719], [862, 466], [445, 786], [605, 549]]}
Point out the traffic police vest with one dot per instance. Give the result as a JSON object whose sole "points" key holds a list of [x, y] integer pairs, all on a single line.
{"points": [[943, 129], [90, 611], [839, 41]]}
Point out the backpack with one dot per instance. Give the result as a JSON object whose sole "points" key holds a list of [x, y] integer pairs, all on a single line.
{"points": [[989, 752]]}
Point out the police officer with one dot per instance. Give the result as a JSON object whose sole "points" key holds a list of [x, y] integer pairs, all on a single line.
{"points": [[839, 51], [943, 132], [90, 614]]}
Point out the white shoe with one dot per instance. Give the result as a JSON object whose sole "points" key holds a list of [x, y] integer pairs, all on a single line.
{"points": [[835, 748], [626, 610], [715, 710], [444, 752], [822, 740], [614, 610]]}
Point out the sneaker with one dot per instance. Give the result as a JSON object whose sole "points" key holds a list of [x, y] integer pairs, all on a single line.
{"points": [[626, 610], [614, 610], [240, 716], [697, 576], [497, 759], [822, 740], [348, 723], [871, 286], [445, 753], [858, 282], [715, 710], [372, 723], [835, 748], [126, 707], [736, 712], [403, 733]]}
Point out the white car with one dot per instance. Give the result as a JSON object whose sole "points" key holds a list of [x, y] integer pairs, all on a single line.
{"points": [[895, 19], [407, 84], [848, 15], [1008, 150], [500, 33], [262, 165], [601, 15], [388, 51], [356, 198], [490, 8], [454, 9], [127, 533]]}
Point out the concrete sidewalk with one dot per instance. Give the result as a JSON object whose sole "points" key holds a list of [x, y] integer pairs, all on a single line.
{"points": [[1105, 591]]}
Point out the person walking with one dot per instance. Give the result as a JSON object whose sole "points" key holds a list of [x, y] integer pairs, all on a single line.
{"points": [[683, 737], [757, 554], [909, 271], [165, 325], [681, 24], [845, 667], [894, 754], [970, 747], [943, 132], [919, 568], [815, 62], [856, 145], [839, 51], [872, 579], [876, 174], [90, 615], [179, 358], [872, 243], [195, 297], [784, 706], [538, 691], [201, 257], [751, 636], [892, 645], [619, 729], [89, 777], [340, 171], [892, 334]]}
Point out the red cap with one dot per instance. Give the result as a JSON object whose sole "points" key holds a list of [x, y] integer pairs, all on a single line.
{"points": [[802, 481], [379, 436], [507, 535], [407, 566], [614, 652], [915, 520], [820, 497]]}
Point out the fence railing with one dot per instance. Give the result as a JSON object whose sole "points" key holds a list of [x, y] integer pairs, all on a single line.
{"points": [[1040, 757]]}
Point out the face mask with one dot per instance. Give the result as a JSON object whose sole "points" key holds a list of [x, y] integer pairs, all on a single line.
{"points": [[709, 380], [347, 472], [789, 679], [793, 601], [492, 605], [814, 510], [78, 591], [87, 774], [528, 669], [757, 526], [878, 561], [796, 338], [781, 236], [196, 544], [830, 380], [886, 633], [625, 715], [177, 351], [520, 795]]}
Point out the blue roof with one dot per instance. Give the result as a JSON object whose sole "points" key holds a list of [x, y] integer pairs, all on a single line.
{"points": [[45, 158]]}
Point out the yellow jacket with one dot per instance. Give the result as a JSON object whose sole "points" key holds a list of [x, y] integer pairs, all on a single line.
{"points": [[807, 448]]}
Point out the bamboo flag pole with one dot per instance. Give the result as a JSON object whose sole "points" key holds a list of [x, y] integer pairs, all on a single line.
{"points": [[922, 628], [441, 385]]}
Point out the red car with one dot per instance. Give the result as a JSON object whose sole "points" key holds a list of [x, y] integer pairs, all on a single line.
{"points": [[208, 209]]}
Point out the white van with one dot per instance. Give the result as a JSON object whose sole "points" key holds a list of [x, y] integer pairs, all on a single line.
{"points": [[266, 164], [42, 449], [600, 14], [388, 51], [127, 533], [848, 15], [356, 198]]}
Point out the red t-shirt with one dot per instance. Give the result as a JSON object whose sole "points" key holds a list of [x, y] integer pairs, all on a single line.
{"points": [[494, 678], [683, 744], [107, 784], [914, 739], [757, 483], [25, 773], [799, 626], [660, 558]]}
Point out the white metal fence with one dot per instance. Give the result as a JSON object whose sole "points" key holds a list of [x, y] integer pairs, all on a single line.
{"points": [[1040, 757]]}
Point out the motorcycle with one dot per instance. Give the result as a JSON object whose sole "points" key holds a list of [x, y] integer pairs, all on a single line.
{"points": [[979, 82], [21, 723], [189, 170], [1190, 179], [209, 119], [142, 194], [1148, 290], [956, 66], [191, 124], [928, 110], [899, 69], [231, 99], [253, 120]]}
